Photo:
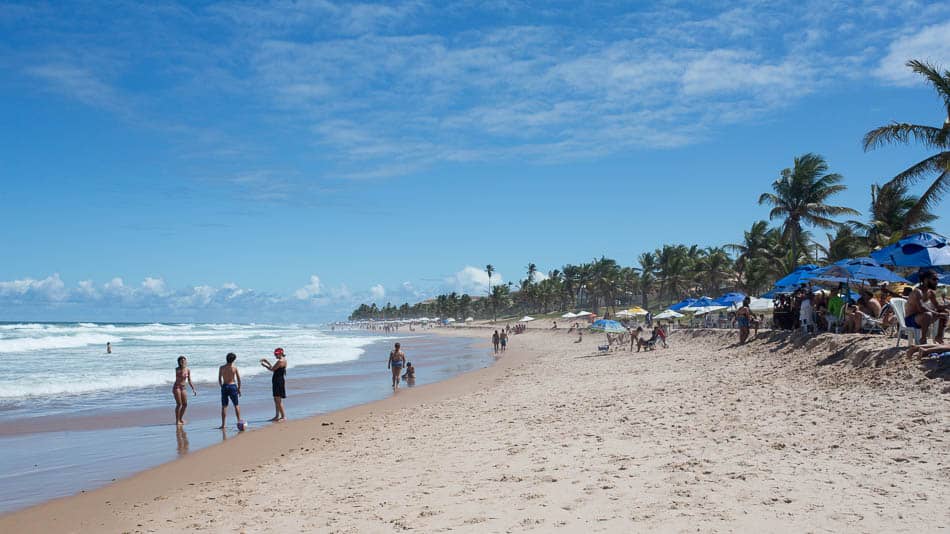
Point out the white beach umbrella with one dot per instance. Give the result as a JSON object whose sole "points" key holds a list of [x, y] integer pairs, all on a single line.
{"points": [[469, 319], [568, 315], [761, 305], [625, 313], [526, 319], [582, 313], [450, 320], [668, 314], [706, 309]]}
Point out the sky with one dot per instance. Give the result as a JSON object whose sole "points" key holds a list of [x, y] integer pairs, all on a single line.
{"points": [[284, 161]]}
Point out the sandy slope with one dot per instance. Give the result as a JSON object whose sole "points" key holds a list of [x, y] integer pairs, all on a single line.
{"points": [[703, 436]]}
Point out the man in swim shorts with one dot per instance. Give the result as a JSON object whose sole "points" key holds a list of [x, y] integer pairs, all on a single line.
{"points": [[397, 358], [923, 309], [229, 378]]}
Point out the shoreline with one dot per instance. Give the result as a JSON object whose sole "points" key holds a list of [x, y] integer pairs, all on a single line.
{"points": [[91, 509]]}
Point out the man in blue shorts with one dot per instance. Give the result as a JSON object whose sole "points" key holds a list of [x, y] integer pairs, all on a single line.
{"points": [[230, 381]]}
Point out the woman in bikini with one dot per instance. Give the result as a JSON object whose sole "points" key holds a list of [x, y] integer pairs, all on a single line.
{"points": [[182, 375]]}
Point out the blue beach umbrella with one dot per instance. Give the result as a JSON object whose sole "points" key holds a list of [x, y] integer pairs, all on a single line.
{"points": [[730, 298], [918, 250], [796, 277], [703, 302], [682, 304], [858, 269], [608, 326]]}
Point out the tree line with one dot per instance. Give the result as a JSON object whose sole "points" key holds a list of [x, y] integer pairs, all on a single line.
{"points": [[801, 201]]}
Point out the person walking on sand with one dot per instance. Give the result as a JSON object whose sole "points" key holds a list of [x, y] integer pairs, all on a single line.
{"points": [[923, 308], [496, 340], [182, 375], [396, 360], [744, 319], [229, 378], [279, 371], [503, 338]]}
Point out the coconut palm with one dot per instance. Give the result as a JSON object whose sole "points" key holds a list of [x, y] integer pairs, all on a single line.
{"points": [[491, 269], [931, 137], [890, 216], [843, 244], [648, 269], [800, 197]]}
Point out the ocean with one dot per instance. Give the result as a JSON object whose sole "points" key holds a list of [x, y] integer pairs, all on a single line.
{"points": [[73, 417]]}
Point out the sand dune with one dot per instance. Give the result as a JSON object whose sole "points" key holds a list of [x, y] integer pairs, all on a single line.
{"points": [[704, 436]]}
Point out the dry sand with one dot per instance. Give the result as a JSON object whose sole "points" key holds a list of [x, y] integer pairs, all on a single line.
{"points": [[829, 435]]}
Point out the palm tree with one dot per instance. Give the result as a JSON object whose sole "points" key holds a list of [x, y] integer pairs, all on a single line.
{"points": [[843, 244], [648, 269], [930, 136], [890, 216], [800, 196]]}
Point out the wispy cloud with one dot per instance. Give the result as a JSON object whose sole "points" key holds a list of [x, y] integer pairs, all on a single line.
{"points": [[930, 43]]}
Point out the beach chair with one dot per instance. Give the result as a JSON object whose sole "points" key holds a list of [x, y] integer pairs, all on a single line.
{"points": [[899, 307]]}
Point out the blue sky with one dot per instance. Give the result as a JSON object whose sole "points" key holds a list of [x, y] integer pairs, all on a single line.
{"points": [[287, 160]]}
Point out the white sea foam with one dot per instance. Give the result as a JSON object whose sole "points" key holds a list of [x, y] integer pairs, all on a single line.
{"points": [[27, 344]]}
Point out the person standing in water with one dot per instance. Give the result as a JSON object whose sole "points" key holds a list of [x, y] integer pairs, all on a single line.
{"points": [[279, 370], [108, 347], [229, 378], [182, 375], [396, 360]]}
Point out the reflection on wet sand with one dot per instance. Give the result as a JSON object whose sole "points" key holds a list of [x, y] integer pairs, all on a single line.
{"points": [[182, 438]]}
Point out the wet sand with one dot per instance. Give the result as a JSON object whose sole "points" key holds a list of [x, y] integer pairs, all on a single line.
{"points": [[778, 435]]}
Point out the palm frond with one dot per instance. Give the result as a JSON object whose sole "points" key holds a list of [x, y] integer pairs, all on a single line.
{"points": [[929, 199], [937, 163], [903, 133], [940, 83]]}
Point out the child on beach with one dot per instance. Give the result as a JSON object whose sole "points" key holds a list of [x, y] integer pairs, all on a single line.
{"points": [[410, 376], [278, 389], [182, 375], [396, 360], [229, 378]]}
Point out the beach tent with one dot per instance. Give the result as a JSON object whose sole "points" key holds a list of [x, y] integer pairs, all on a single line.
{"points": [[526, 319], [918, 250], [582, 313], [608, 326], [668, 314], [682, 304], [568, 315]]}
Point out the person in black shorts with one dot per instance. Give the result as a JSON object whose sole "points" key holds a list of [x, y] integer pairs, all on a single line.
{"points": [[279, 370]]}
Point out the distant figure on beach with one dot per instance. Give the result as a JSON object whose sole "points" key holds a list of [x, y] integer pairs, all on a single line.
{"points": [[410, 376], [923, 308], [229, 378], [396, 360], [744, 319], [279, 370], [555, 325], [635, 338], [504, 340], [580, 336], [182, 375], [108, 347], [496, 341]]}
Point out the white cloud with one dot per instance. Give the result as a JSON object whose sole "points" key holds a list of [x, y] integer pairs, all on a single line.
{"points": [[51, 288], [377, 291], [930, 44], [310, 290], [472, 280], [155, 286]]}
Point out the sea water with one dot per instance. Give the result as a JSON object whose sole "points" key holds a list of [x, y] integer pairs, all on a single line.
{"points": [[73, 416]]}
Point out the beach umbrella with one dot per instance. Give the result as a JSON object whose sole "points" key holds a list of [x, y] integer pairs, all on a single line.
{"points": [[796, 277], [526, 319], [624, 313], [702, 302], [682, 304], [919, 250], [450, 320], [859, 269], [582, 313], [469, 319], [701, 310], [668, 314], [636, 310], [568, 315], [608, 326], [761, 304], [730, 298]]}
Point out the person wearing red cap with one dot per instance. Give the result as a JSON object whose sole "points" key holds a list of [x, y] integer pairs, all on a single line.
{"points": [[279, 368]]}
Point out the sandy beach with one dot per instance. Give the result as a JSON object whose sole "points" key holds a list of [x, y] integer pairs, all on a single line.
{"points": [[827, 434]]}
